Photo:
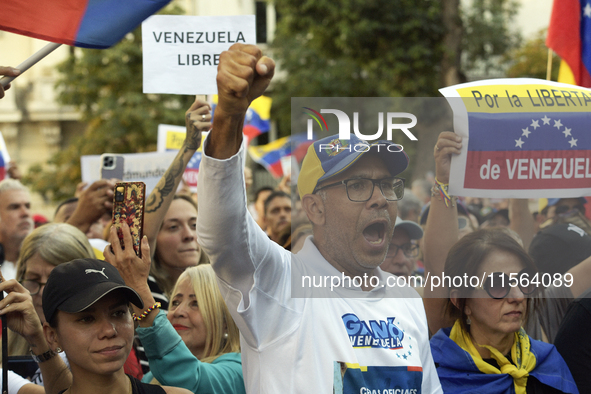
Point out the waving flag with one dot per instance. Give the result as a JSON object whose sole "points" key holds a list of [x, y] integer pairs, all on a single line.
{"points": [[257, 119], [522, 138], [4, 158], [569, 35], [270, 155], [3, 165], [84, 23]]}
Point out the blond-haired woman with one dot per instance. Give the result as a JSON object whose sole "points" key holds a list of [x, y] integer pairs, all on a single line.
{"points": [[41, 251], [195, 346]]}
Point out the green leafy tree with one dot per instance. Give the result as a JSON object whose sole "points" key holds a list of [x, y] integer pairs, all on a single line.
{"points": [[488, 33], [531, 60], [106, 86], [384, 48], [355, 48]]}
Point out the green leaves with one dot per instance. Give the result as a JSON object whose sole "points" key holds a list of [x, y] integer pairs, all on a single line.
{"points": [[106, 87], [355, 48]]}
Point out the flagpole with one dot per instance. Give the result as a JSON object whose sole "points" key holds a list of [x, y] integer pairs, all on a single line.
{"points": [[24, 66], [549, 66]]}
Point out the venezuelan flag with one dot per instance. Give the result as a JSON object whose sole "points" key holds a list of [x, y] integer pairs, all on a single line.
{"points": [[257, 119], [3, 165], [269, 156], [83, 23], [4, 158], [521, 138], [569, 35]]}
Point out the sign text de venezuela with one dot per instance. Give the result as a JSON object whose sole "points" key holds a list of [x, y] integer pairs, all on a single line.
{"points": [[528, 137]]}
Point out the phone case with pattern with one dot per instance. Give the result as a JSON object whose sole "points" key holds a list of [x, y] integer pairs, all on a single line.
{"points": [[128, 206]]}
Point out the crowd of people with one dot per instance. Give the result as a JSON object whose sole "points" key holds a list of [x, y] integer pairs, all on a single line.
{"points": [[293, 291]]}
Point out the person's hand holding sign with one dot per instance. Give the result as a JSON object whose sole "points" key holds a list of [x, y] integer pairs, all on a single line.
{"points": [[448, 144], [197, 120]]}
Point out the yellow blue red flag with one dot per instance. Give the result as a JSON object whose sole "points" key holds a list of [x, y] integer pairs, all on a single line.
{"points": [[257, 119], [522, 138], [83, 23]]}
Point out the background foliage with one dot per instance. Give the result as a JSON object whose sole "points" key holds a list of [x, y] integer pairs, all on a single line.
{"points": [[106, 86], [531, 59], [324, 48]]}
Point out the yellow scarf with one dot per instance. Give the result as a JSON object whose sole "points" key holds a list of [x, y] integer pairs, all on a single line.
{"points": [[525, 360]]}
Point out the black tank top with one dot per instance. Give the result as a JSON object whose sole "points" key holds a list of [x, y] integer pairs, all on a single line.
{"points": [[137, 387]]}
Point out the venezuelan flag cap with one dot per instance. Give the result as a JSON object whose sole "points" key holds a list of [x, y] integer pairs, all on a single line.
{"points": [[330, 156]]}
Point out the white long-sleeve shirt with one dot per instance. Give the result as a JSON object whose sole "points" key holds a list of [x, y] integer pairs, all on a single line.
{"points": [[309, 341]]}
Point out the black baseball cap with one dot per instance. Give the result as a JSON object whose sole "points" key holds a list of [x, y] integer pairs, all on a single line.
{"points": [[559, 247], [72, 287]]}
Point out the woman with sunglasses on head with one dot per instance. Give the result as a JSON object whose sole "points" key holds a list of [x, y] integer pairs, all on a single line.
{"points": [[487, 350], [196, 345], [86, 304]]}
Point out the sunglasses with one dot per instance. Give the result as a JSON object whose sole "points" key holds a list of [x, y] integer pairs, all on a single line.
{"points": [[498, 284]]}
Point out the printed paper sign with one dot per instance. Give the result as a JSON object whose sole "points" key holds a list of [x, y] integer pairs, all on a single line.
{"points": [[181, 53], [170, 137], [138, 167], [522, 138]]}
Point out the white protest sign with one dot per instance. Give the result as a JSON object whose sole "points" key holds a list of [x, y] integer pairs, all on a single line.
{"points": [[181, 52], [138, 167], [521, 138]]}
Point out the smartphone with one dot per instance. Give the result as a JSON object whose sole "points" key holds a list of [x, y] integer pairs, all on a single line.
{"points": [[128, 207], [112, 166]]}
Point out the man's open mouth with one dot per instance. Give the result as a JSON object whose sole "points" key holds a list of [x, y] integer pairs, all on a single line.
{"points": [[375, 232]]}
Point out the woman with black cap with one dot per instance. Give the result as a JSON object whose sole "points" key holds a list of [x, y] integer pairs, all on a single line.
{"points": [[86, 305]]}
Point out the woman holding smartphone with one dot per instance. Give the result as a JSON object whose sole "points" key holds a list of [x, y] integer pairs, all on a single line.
{"points": [[196, 345]]}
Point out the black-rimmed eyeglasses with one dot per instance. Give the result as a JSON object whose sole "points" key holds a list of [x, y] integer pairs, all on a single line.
{"points": [[409, 249], [33, 286], [361, 189]]}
